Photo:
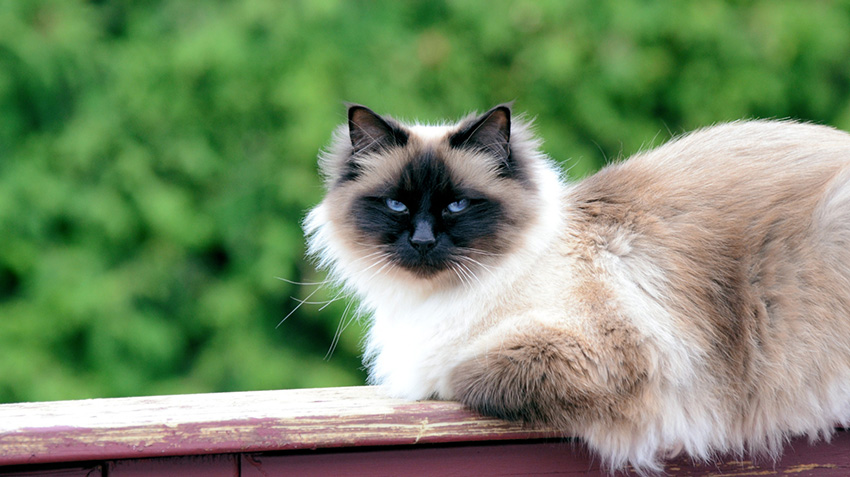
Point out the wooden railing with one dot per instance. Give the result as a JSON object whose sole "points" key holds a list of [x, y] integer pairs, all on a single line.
{"points": [[321, 432]]}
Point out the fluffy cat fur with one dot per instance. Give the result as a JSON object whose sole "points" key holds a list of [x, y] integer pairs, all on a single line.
{"points": [[693, 298]]}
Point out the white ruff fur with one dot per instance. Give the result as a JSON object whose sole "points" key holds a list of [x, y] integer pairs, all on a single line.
{"points": [[414, 328]]}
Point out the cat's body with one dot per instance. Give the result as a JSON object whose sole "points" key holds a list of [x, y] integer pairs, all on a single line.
{"points": [[693, 298]]}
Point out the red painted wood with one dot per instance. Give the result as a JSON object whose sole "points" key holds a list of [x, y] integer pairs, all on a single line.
{"points": [[496, 458], [528, 458], [532, 458], [158, 426], [798, 459], [52, 471], [357, 431], [193, 466]]}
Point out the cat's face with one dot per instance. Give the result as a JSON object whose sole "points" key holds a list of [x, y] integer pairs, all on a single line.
{"points": [[427, 201]]}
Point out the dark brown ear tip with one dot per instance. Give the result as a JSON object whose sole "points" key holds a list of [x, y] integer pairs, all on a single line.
{"points": [[501, 114], [354, 108], [506, 107], [370, 131]]}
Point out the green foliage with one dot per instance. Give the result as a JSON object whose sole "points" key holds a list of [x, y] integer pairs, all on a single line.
{"points": [[156, 158]]}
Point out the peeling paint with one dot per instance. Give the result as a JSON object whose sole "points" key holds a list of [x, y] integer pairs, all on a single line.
{"points": [[796, 469], [422, 430], [291, 422], [743, 473]]}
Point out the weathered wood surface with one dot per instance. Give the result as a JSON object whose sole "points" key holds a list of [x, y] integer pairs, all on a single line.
{"points": [[337, 431], [125, 428], [547, 458]]}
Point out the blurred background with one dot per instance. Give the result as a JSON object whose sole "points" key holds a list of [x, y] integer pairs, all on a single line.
{"points": [[156, 158]]}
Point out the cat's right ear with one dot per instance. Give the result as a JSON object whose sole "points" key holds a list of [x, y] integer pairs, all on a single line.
{"points": [[490, 132], [369, 132]]}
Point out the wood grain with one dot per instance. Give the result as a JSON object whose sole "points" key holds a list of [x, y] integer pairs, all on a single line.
{"points": [[140, 427], [535, 457], [226, 465], [502, 459], [41, 471], [335, 431]]}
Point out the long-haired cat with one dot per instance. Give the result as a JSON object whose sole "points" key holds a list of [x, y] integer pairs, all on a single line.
{"points": [[693, 298]]}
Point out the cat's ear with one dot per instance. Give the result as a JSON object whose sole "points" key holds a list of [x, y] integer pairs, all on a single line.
{"points": [[370, 132], [490, 132]]}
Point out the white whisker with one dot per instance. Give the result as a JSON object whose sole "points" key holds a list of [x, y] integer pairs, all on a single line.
{"points": [[381, 259], [464, 272], [454, 269], [300, 302], [471, 274], [478, 251], [473, 261], [303, 284], [336, 298], [369, 255], [340, 328], [386, 264], [322, 302]]}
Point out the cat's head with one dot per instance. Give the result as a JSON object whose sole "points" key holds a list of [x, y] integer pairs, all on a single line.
{"points": [[425, 203]]}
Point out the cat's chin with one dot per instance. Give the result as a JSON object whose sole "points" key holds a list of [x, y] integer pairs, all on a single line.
{"points": [[418, 282]]}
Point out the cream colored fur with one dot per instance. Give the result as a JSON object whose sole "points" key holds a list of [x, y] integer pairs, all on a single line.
{"points": [[735, 364]]}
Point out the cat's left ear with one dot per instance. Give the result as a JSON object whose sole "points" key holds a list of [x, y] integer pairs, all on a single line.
{"points": [[369, 132], [490, 132]]}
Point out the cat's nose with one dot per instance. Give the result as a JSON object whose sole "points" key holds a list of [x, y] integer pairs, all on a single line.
{"points": [[423, 236]]}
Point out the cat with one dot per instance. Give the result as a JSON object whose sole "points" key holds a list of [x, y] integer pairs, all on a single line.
{"points": [[694, 298]]}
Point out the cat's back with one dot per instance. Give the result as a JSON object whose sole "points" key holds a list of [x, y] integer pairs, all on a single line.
{"points": [[740, 168], [747, 224]]}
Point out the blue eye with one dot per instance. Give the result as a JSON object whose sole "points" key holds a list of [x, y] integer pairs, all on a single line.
{"points": [[458, 206], [395, 205]]}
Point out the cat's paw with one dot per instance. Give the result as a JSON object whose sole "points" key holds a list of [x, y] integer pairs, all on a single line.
{"points": [[524, 379], [546, 377]]}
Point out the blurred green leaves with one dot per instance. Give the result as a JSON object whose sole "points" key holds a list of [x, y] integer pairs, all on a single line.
{"points": [[156, 158]]}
